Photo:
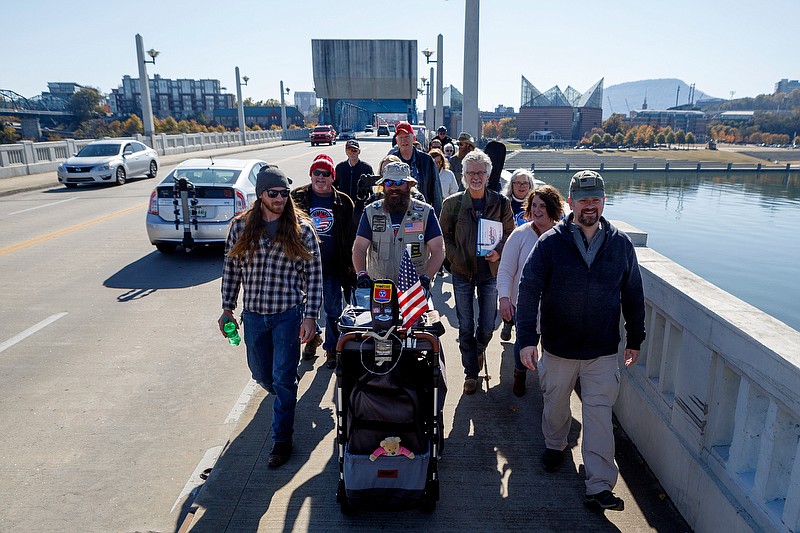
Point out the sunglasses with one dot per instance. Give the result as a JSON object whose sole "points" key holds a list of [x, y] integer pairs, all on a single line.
{"points": [[272, 193], [393, 183], [352, 149], [323, 173], [521, 183]]}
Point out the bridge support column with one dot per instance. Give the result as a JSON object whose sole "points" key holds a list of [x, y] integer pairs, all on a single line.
{"points": [[31, 128]]}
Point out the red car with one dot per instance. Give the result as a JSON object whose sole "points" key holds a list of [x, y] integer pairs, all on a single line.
{"points": [[323, 134]]}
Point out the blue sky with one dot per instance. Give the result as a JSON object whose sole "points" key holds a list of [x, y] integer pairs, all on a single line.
{"points": [[721, 46]]}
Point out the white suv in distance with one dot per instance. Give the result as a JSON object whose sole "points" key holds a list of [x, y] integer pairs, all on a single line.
{"points": [[194, 203], [108, 161]]}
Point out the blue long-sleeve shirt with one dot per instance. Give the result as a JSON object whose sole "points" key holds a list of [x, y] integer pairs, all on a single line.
{"points": [[581, 305]]}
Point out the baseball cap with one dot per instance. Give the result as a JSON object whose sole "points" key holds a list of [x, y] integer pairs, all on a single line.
{"points": [[442, 128], [404, 127], [397, 172], [269, 177], [352, 143], [586, 184]]}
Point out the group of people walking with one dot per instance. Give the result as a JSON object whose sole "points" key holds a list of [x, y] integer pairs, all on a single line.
{"points": [[562, 280]]}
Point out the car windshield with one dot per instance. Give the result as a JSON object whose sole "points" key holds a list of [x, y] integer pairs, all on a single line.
{"points": [[98, 150], [322, 128], [205, 175]]}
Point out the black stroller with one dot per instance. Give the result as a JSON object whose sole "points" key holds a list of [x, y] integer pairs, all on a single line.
{"points": [[388, 406]]}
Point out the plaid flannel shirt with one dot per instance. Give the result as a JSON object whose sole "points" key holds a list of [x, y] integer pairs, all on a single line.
{"points": [[272, 282]]}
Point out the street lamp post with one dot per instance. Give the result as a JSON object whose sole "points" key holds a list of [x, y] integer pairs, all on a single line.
{"points": [[283, 107], [240, 105], [439, 118], [144, 84], [425, 90]]}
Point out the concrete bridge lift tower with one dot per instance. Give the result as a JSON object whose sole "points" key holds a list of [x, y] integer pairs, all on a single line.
{"points": [[358, 79]]}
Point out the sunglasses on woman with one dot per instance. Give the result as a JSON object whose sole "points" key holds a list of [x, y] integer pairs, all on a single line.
{"points": [[272, 193]]}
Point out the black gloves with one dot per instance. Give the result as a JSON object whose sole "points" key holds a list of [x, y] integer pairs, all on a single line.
{"points": [[363, 281]]}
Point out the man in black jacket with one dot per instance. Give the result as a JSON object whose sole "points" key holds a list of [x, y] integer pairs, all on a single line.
{"points": [[348, 172], [423, 168], [331, 212], [578, 277]]}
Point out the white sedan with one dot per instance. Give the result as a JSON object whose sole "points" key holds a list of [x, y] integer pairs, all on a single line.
{"points": [[194, 203], [108, 161]]}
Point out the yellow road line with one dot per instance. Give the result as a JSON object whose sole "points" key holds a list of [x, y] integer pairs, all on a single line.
{"points": [[66, 231]]}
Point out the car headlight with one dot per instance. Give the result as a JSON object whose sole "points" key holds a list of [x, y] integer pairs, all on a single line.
{"points": [[103, 167], [61, 167]]}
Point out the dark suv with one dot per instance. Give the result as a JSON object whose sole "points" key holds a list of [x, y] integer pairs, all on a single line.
{"points": [[323, 134]]}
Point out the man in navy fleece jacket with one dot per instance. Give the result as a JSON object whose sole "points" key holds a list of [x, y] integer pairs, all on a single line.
{"points": [[583, 272]]}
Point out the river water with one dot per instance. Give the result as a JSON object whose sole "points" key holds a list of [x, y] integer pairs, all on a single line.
{"points": [[737, 230]]}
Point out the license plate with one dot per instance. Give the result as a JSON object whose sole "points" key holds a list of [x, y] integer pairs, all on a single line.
{"points": [[201, 212]]}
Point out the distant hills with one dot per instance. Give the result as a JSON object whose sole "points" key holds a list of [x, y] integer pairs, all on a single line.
{"points": [[660, 94]]}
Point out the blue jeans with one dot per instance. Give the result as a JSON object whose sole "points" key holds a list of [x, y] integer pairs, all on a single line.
{"points": [[273, 352], [332, 303], [472, 341]]}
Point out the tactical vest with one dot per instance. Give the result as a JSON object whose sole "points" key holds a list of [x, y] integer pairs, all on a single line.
{"points": [[383, 259]]}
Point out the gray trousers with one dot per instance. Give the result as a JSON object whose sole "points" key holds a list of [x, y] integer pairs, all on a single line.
{"points": [[599, 388]]}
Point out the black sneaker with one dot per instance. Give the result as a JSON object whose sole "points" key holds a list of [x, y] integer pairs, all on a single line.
{"points": [[330, 358], [310, 349], [604, 500], [552, 459], [505, 333]]}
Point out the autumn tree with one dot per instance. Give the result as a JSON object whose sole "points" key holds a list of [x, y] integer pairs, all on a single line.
{"points": [[85, 104], [507, 127]]}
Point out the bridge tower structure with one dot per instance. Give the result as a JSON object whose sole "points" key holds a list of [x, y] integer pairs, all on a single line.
{"points": [[358, 79]]}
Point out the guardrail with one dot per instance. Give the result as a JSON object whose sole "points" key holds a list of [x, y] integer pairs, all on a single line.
{"points": [[713, 404], [26, 157]]}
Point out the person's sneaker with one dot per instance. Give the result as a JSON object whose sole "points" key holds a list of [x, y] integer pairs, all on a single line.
{"points": [[310, 349], [330, 358], [470, 385], [604, 500], [519, 387], [281, 452], [505, 333], [552, 459]]}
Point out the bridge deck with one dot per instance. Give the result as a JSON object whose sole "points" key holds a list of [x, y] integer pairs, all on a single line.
{"points": [[491, 478]]}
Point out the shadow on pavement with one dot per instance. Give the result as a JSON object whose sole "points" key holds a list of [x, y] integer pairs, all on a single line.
{"points": [[157, 271]]}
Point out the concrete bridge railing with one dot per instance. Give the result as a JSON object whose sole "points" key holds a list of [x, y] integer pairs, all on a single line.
{"points": [[28, 157], [713, 404]]}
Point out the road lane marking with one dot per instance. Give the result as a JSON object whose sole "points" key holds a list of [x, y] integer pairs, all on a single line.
{"points": [[30, 331], [45, 205], [66, 231]]}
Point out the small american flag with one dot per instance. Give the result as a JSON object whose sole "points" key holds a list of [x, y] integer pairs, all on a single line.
{"points": [[410, 295]]}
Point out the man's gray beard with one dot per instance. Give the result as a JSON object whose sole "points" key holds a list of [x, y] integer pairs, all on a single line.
{"points": [[397, 204]]}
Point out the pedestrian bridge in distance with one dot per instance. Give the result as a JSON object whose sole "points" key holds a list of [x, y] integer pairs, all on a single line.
{"points": [[713, 403]]}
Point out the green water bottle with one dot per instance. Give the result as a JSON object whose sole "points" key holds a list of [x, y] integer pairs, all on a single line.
{"points": [[232, 332]]}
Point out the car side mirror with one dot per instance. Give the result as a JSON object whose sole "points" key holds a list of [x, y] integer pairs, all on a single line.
{"points": [[127, 151]]}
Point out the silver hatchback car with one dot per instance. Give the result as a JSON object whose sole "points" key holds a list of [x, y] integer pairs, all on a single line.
{"points": [[108, 161], [194, 203]]}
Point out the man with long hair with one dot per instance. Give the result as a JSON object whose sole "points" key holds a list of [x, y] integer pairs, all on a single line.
{"points": [[273, 253]]}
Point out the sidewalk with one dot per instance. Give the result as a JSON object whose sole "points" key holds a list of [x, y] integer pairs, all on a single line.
{"points": [[490, 472], [49, 180]]}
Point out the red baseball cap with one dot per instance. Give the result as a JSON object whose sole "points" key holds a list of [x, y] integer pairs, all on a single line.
{"points": [[404, 127]]}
